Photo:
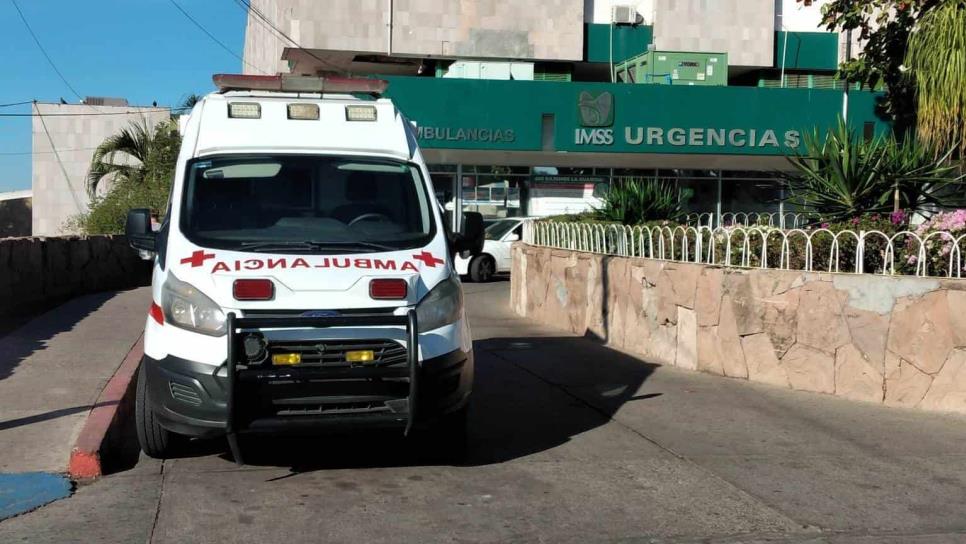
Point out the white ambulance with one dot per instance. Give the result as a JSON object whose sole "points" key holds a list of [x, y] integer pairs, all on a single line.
{"points": [[303, 277]]}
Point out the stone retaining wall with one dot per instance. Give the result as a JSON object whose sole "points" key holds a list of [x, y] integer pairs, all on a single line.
{"points": [[36, 273], [894, 340]]}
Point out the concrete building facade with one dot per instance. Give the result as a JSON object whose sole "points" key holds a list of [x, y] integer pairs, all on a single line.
{"points": [[64, 137], [523, 100]]}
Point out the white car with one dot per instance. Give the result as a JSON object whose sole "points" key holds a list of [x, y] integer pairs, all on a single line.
{"points": [[495, 257], [302, 275]]}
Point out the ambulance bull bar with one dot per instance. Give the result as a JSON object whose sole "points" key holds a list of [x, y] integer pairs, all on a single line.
{"points": [[237, 369]]}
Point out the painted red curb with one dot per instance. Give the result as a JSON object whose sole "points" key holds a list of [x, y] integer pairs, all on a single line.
{"points": [[85, 456]]}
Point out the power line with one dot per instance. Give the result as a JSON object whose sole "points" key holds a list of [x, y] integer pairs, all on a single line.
{"points": [[15, 153], [91, 114], [16, 104], [44, 51], [263, 20], [213, 38]]}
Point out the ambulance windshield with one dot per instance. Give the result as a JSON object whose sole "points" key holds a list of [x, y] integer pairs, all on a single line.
{"points": [[306, 204]]}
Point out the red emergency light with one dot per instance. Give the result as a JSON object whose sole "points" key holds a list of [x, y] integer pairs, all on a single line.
{"points": [[299, 84], [253, 289], [388, 289]]}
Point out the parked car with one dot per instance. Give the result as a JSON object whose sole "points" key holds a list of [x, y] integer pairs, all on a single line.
{"points": [[495, 257]]}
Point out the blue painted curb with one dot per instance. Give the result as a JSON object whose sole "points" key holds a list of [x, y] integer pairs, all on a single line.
{"points": [[27, 491]]}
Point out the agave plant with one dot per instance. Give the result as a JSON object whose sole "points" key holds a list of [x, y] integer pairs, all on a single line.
{"points": [[840, 176], [636, 201], [921, 181]]}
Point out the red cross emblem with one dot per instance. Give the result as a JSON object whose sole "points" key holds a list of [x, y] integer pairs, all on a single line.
{"points": [[428, 259], [197, 258]]}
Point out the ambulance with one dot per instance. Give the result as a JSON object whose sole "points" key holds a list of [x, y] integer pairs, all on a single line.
{"points": [[303, 274]]}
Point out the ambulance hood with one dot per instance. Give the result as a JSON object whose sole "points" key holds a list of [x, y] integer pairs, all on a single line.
{"points": [[309, 281]]}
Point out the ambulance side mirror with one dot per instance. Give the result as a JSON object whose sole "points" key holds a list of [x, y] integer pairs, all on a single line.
{"points": [[138, 230], [471, 237]]}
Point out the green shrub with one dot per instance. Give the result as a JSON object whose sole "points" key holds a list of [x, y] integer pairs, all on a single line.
{"points": [[637, 201], [108, 214]]}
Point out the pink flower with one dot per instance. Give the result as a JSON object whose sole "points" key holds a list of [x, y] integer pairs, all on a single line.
{"points": [[898, 217], [856, 220], [824, 225]]}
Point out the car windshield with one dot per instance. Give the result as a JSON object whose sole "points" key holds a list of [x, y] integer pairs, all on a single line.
{"points": [[305, 204], [496, 230]]}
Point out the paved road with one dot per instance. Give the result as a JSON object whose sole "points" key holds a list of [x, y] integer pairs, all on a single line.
{"points": [[571, 442]]}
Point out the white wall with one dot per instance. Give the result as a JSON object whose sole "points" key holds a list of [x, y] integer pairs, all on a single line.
{"points": [[745, 29], [796, 17], [504, 29], [598, 11]]}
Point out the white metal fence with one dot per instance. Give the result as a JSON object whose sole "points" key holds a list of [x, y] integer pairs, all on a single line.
{"points": [[904, 253], [782, 220]]}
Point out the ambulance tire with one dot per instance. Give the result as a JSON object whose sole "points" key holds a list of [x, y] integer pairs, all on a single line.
{"points": [[482, 268], [155, 440]]}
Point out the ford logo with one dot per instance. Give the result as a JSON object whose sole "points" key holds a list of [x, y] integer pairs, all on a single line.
{"points": [[321, 313]]}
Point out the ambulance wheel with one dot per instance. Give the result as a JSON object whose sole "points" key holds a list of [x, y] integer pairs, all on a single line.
{"points": [[155, 440], [482, 268]]}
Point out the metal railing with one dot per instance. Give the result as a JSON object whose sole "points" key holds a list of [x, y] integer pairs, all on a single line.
{"points": [[780, 220], [902, 253]]}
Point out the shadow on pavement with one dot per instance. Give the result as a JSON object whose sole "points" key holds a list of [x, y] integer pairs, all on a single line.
{"points": [[521, 406], [46, 416], [32, 336]]}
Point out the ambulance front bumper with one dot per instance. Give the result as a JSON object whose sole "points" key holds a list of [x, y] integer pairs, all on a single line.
{"points": [[191, 398]]}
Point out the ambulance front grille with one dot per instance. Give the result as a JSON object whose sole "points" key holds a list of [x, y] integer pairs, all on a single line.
{"points": [[332, 353]]}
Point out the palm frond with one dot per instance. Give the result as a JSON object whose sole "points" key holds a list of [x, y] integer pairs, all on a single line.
{"points": [[936, 59], [121, 156]]}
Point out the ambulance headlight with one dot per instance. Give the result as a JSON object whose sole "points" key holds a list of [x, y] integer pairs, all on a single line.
{"points": [[186, 307], [442, 306]]}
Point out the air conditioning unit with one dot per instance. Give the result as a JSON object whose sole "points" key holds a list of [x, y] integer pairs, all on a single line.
{"points": [[623, 15]]}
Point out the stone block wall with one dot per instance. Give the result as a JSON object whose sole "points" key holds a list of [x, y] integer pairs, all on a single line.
{"points": [[36, 273], [894, 340]]}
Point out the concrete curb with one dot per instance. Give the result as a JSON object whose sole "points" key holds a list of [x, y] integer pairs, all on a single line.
{"points": [[104, 422]]}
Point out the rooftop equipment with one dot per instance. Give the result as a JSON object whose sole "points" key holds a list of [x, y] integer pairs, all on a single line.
{"points": [[675, 68]]}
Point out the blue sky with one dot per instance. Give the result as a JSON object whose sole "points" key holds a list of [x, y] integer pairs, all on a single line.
{"points": [[142, 50]]}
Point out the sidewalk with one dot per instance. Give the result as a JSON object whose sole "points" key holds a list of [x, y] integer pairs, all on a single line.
{"points": [[53, 368]]}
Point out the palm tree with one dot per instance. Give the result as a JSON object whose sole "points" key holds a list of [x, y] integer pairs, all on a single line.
{"points": [[136, 154], [113, 158], [936, 61], [189, 101]]}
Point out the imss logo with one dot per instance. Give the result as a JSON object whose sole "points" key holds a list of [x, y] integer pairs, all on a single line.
{"points": [[595, 111]]}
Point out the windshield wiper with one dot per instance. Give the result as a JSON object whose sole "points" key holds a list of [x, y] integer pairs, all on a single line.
{"points": [[351, 245], [312, 246], [269, 246]]}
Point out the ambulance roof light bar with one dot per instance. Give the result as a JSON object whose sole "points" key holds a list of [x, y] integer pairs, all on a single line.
{"points": [[299, 84]]}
